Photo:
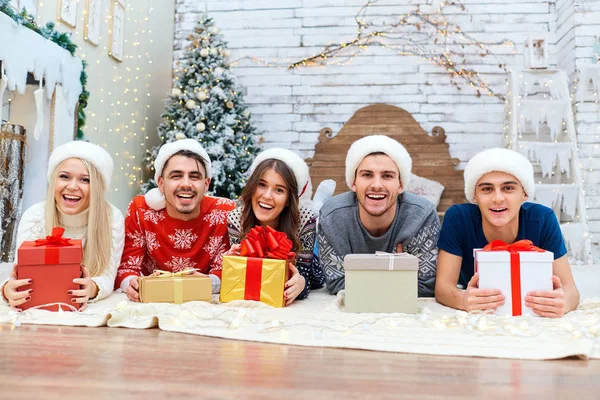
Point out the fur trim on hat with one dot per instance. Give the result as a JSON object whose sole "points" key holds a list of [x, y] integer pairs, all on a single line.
{"points": [[87, 151], [167, 150], [294, 162], [375, 144], [500, 160], [154, 198]]}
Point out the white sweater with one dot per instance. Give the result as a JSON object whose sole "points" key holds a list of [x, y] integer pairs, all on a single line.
{"points": [[31, 227]]}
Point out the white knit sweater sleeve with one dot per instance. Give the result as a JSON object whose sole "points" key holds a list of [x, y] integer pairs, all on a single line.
{"points": [[31, 226], [106, 281]]}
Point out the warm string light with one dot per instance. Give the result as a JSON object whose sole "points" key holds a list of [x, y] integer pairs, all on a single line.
{"points": [[393, 38], [582, 323], [127, 103]]}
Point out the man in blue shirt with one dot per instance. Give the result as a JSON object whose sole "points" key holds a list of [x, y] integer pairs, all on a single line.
{"points": [[498, 182]]}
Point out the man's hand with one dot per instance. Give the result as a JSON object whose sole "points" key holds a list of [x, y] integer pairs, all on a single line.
{"points": [[132, 290], [549, 304], [481, 299]]}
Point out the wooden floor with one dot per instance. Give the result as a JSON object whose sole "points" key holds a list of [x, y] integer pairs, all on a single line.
{"points": [[47, 362]]}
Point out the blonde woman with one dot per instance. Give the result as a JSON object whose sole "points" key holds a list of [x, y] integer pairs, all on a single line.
{"points": [[79, 175]]}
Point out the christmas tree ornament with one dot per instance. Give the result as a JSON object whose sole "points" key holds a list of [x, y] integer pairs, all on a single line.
{"points": [[204, 52], [219, 71], [214, 30], [176, 92], [246, 113], [200, 127], [213, 51], [202, 95], [180, 136], [190, 104], [229, 104]]}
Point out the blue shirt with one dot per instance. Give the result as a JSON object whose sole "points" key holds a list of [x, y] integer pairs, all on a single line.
{"points": [[462, 231]]}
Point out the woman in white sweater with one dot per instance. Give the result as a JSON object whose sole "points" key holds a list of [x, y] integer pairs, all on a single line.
{"points": [[79, 175]]}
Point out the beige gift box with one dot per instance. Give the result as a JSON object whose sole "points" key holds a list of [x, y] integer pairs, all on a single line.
{"points": [[381, 283]]}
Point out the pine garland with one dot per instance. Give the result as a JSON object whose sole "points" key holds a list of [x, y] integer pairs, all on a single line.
{"points": [[63, 39]]}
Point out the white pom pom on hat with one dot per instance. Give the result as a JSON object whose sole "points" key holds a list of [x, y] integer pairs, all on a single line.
{"points": [[499, 160], [376, 144]]}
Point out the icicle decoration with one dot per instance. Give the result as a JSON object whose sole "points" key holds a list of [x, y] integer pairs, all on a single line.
{"points": [[552, 112], [589, 78], [574, 239], [547, 155], [43, 58], [553, 196], [569, 195], [532, 83]]}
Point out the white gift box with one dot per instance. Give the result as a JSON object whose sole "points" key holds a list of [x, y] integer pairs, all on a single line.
{"points": [[532, 269]]}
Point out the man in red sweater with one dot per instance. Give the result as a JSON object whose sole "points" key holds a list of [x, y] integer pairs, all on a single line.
{"points": [[175, 226]]}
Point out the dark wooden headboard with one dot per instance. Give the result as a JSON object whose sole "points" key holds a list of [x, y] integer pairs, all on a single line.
{"points": [[430, 154]]}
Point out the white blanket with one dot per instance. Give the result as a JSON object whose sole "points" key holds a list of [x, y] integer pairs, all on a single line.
{"points": [[321, 321]]}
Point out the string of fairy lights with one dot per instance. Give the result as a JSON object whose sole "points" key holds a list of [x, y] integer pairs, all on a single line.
{"points": [[414, 34], [122, 107]]}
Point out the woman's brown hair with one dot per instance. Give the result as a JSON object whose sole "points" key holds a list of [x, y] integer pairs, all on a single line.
{"points": [[289, 219]]}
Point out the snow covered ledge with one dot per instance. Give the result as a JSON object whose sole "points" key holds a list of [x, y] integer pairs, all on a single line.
{"points": [[23, 50]]}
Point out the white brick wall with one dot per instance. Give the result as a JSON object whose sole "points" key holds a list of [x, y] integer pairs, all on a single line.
{"points": [[292, 106]]}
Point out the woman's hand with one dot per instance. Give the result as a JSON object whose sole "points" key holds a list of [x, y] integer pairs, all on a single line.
{"points": [[88, 290], [10, 290], [294, 286], [234, 250]]}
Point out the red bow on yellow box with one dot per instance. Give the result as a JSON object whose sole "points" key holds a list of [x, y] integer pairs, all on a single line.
{"points": [[261, 270], [266, 242]]}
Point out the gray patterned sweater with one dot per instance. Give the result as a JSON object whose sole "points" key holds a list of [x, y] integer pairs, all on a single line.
{"points": [[340, 231]]}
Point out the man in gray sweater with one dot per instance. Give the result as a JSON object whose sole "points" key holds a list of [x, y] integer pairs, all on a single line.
{"points": [[376, 215]]}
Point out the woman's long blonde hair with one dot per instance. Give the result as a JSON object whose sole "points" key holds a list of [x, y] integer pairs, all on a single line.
{"points": [[96, 253]]}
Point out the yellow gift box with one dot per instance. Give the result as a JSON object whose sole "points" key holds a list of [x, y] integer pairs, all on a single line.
{"points": [[178, 288], [253, 278]]}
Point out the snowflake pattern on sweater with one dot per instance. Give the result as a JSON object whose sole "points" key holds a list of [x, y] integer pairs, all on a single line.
{"points": [[154, 240], [307, 265]]}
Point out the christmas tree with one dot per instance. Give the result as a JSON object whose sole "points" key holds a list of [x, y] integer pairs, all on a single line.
{"points": [[207, 104]]}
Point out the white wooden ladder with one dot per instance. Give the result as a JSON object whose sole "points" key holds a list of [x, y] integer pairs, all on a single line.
{"points": [[540, 125]]}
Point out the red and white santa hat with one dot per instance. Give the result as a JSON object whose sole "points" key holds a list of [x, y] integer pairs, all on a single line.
{"points": [[87, 151], [499, 160], [378, 144], [294, 162], [154, 198]]}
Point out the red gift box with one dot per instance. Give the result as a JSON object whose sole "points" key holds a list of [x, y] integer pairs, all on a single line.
{"points": [[52, 264]]}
